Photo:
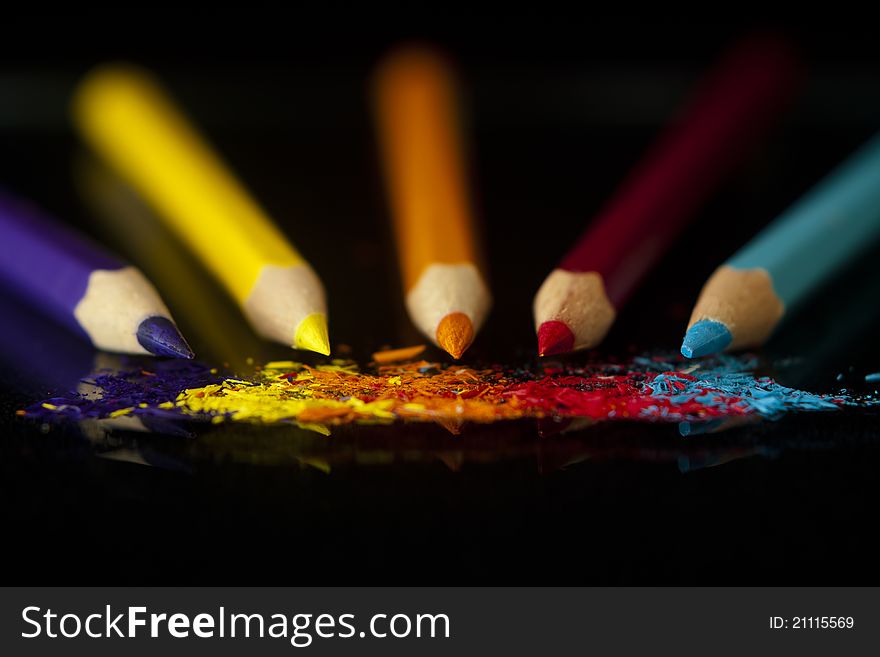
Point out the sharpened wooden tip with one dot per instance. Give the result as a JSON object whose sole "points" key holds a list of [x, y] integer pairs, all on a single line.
{"points": [[737, 309], [554, 338], [455, 332], [576, 310]]}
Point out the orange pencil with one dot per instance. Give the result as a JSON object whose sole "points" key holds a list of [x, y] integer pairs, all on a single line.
{"points": [[446, 294]]}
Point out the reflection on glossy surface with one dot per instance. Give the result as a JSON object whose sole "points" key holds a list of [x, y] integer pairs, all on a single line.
{"points": [[185, 447], [716, 425], [121, 439], [836, 330], [38, 355]]}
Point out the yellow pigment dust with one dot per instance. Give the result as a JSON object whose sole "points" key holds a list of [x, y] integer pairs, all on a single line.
{"points": [[340, 393]]}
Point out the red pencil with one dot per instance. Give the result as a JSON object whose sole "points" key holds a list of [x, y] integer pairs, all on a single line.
{"points": [[731, 110]]}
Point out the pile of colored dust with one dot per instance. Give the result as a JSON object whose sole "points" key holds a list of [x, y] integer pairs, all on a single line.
{"points": [[644, 389], [148, 388]]}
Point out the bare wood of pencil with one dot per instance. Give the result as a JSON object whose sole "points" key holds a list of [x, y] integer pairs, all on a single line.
{"points": [[446, 294]]}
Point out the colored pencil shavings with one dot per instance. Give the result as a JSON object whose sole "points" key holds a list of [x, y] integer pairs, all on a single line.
{"points": [[643, 389], [396, 355]]}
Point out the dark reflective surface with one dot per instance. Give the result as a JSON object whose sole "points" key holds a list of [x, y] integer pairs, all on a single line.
{"points": [[554, 127]]}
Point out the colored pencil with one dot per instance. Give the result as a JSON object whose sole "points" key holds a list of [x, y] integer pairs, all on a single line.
{"points": [[747, 297], [130, 121], [135, 231], [440, 263], [82, 286], [731, 110]]}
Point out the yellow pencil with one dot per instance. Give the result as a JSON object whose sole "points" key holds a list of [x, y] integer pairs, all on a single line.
{"points": [[128, 119], [446, 295]]}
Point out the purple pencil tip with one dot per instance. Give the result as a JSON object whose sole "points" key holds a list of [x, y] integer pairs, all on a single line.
{"points": [[160, 337]]}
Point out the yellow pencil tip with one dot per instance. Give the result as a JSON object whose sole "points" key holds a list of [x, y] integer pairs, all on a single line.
{"points": [[311, 334], [455, 333]]}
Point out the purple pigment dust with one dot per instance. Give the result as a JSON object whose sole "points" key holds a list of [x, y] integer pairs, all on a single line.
{"points": [[104, 393]]}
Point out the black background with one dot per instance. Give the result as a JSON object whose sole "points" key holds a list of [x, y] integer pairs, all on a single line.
{"points": [[557, 111]]}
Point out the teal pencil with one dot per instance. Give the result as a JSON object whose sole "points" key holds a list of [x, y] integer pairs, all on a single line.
{"points": [[747, 297]]}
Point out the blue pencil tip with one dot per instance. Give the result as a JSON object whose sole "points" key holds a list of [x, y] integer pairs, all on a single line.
{"points": [[704, 338], [160, 337]]}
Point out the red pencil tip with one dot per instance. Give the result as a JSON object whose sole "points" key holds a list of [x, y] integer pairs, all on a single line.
{"points": [[554, 338]]}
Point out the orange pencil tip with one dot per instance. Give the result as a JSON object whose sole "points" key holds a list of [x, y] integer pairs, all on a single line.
{"points": [[455, 334]]}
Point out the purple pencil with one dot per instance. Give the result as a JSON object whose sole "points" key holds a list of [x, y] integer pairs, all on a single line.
{"points": [[80, 285]]}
